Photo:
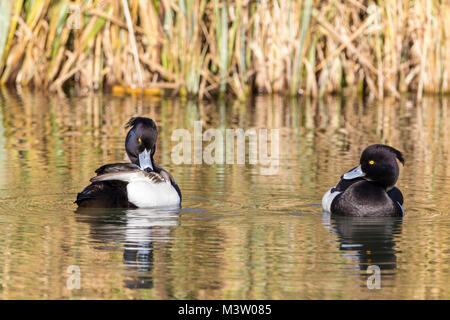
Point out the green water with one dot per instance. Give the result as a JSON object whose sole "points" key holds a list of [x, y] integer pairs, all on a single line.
{"points": [[239, 234]]}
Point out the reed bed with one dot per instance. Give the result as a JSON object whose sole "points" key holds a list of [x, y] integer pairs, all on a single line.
{"points": [[205, 48]]}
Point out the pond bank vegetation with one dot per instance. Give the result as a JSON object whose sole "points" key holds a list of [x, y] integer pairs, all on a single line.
{"points": [[207, 48]]}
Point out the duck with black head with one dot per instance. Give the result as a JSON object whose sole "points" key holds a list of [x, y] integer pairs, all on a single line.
{"points": [[139, 184], [369, 189]]}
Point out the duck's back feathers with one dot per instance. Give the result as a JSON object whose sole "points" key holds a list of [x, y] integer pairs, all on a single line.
{"points": [[130, 176], [116, 167]]}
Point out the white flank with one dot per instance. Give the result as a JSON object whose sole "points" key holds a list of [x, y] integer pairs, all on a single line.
{"points": [[328, 198], [146, 194]]}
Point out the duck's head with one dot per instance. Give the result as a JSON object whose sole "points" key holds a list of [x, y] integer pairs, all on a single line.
{"points": [[140, 142], [378, 164]]}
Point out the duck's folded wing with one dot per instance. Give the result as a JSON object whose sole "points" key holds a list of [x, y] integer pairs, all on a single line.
{"points": [[117, 167], [130, 176], [105, 193], [345, 183], [108, 194], [396, 195]]}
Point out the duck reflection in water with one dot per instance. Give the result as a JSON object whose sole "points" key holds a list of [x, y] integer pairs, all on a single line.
{"points": [[136, 231], [367, 241]]}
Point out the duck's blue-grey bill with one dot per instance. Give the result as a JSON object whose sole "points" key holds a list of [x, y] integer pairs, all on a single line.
{"points": [[355, 173], [145, 160]]}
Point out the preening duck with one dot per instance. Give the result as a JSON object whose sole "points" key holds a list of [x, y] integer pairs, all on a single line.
{"points": [[139, 184], [369, 189]]}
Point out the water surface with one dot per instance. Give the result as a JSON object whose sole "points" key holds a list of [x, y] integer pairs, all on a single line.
{"points": [[239, 234]]}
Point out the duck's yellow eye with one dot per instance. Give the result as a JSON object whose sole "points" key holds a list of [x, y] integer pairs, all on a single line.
{"points": [[371, 162], [139, 140]]}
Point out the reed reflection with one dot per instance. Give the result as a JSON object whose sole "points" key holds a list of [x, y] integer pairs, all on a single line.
{"points": [[135, 231]]}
